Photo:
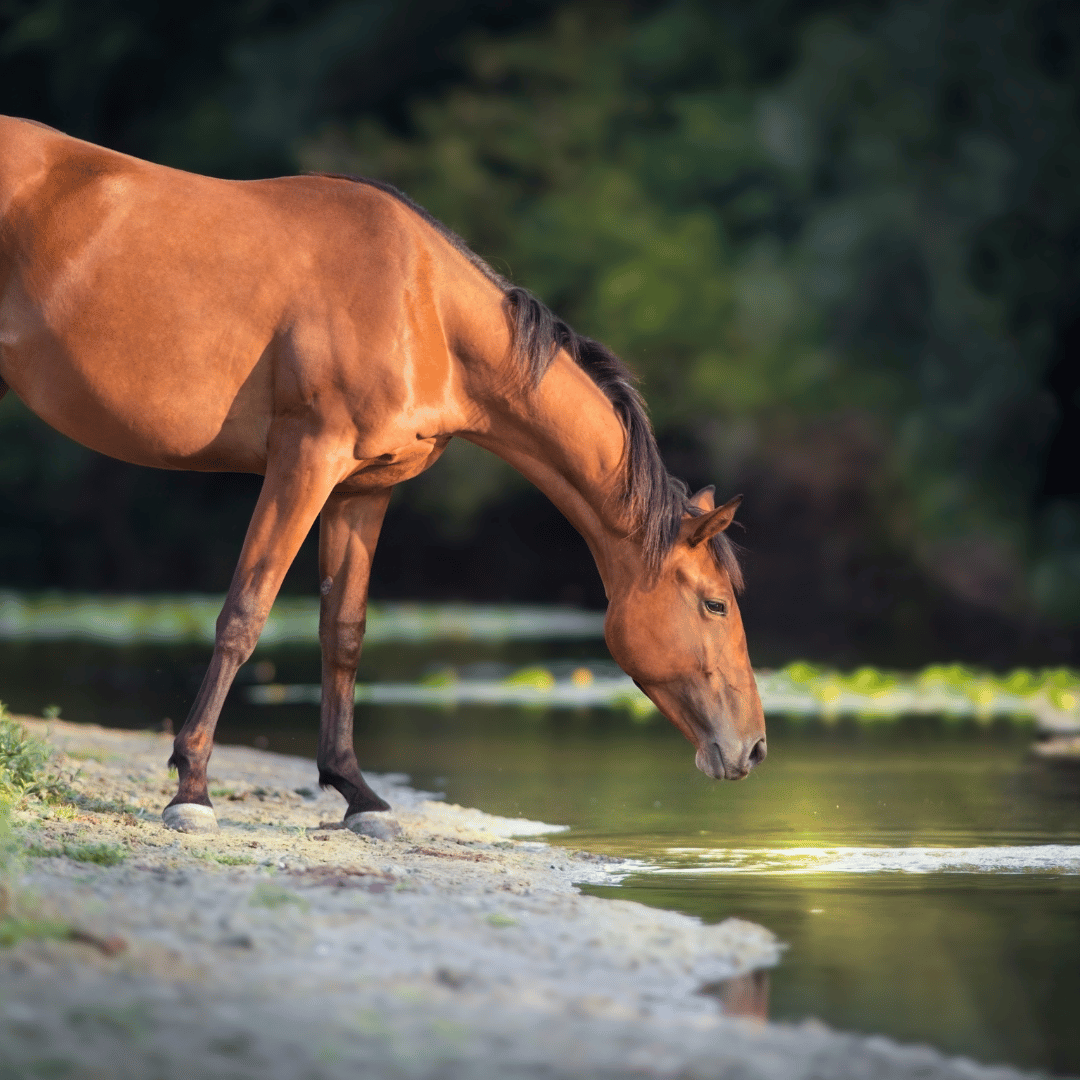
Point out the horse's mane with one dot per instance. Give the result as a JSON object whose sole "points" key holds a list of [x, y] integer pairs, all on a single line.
{"points": [[654, 498]]}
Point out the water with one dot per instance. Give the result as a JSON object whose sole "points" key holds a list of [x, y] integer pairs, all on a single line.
{"points": [[907, 865]]}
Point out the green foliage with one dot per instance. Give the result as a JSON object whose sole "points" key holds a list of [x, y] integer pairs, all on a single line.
{"points": [[836, 239], [22, 760], [869, 238]]}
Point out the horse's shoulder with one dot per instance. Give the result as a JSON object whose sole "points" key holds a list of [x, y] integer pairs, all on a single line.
{"points": [[24, 120]]}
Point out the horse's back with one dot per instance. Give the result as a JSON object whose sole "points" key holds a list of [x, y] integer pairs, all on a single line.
{"points": [[147, 312]]}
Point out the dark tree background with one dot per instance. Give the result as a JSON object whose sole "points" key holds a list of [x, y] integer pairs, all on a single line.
{"points": [[839, 242]]}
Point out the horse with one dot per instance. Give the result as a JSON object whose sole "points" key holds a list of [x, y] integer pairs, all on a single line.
{"points": [[329, 334]]}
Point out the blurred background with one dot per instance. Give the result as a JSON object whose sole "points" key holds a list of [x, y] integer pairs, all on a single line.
{"points": [[839, 241]]}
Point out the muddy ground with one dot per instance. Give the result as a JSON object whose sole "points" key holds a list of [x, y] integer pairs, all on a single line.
{"points": [[285, 946]]}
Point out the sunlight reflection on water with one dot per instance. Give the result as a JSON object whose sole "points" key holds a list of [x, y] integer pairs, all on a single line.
{"points": [[1037, 858]]}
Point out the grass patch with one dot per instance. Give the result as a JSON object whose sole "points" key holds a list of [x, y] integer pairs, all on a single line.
{"points": [[22, 760], [223, 859], [268, 895], [100, 854], [100, 756], [233, 860], [22, 772], [14, 929]]}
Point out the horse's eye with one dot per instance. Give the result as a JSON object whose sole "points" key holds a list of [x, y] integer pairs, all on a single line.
{"points": [[716, 607]]}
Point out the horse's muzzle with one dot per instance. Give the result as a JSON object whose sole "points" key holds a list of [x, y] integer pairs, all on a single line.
{"points": [[712, 761]]}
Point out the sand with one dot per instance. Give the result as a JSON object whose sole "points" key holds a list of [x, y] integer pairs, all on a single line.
{"points": [[286, 946]]}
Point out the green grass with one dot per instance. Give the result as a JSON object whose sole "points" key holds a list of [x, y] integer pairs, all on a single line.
{"points": [[14, 928], [268, 895], [233, 860], [22, 760], [100, 854]]}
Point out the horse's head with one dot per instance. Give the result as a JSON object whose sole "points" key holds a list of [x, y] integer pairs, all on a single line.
{"points": [[679, 635]]}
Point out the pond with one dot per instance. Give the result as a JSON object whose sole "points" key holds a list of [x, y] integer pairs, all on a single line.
{"points": [[923, 872]]}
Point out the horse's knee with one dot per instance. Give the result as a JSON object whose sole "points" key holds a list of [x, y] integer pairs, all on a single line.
{"points": [[237, 635], [341, 642]]}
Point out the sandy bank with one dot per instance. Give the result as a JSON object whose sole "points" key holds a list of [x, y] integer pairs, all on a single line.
{"points": [[284, 948]]}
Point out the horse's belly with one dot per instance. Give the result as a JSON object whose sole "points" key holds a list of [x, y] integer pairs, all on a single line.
{"points": [[149, 423], [136, 400]]}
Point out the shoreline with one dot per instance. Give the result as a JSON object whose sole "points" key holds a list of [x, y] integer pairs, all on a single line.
{"points": [[287, 946]]}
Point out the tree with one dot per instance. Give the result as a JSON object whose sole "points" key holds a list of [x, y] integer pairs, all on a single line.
{"points": [[874, 236]]}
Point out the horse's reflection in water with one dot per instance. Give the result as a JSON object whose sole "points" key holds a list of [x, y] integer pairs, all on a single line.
{"points": [[745, 995]]}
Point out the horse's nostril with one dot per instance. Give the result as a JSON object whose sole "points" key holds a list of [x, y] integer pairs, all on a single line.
{"points": [[757, 754]]}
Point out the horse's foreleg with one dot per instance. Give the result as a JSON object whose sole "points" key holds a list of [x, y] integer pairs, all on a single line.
{"points": [[296, 486], [348, 532]]}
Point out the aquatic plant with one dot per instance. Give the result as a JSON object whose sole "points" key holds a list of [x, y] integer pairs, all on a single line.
{"points": [[293, 620], [799, 690], [538, 678], [951, 690]]}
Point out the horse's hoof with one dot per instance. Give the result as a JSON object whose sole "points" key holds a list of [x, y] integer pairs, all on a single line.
{"points": [[190, 817], [375, 823]]}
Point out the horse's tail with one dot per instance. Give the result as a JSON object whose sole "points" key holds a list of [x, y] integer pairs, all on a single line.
{"points": [[3, 388]]}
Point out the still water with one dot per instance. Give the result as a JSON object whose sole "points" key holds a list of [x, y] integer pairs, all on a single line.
{"points": [[907, 865]]}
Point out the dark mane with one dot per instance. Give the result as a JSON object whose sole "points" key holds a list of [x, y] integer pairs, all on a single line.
{"points": [[654, 498]]}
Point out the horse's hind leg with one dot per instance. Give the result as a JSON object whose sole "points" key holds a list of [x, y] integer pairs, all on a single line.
{"points": [[348, 532], [296, 486]]}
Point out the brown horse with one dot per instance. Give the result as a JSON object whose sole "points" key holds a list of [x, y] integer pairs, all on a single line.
{"points": [[330, 335]]}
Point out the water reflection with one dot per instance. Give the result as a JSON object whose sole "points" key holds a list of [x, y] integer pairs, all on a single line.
{"points": [[745, 995], [985, 964]]}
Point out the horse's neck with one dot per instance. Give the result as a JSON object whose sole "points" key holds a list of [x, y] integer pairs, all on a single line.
{"points": [[566, 438], [24, 161]]}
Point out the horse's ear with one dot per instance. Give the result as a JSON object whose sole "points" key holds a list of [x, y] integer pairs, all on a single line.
{"points": [[704, 500], [716, 521]]}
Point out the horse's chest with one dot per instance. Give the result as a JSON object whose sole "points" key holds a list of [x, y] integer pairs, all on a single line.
{"points": [[394, 466]]}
